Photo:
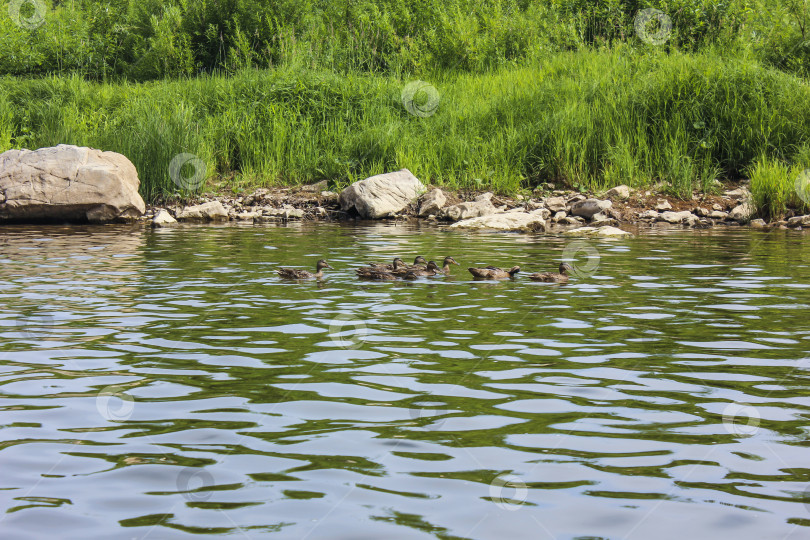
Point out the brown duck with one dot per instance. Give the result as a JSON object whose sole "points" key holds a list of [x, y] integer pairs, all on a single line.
{"points": [[447, 262], [493, 272], [297, 273], [553, 277], [397, 263], [431, 270]]}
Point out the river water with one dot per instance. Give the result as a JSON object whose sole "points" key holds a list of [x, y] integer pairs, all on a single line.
{"points": [[163, 383]]}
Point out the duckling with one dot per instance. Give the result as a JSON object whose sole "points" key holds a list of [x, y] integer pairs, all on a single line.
{"points": [[296, 273], [493, 272], [552, 277], [376, 275], [419, 262], [447, 262], [431, 270]]}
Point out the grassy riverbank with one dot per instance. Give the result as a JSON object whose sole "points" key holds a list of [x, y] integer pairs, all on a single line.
{"points": [[512, 95]]}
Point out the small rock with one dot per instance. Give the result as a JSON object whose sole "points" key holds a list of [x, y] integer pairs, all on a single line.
{"points": [[163, 218], [742, 213], [587, 208], [555, 204], [738, 194], [210, 211], [481, 206], [619, 192], [663, 206], [702, 212], [684, 216], [758, 224], [292, 213], [605, 231], [715, 214], [246, 216], [799, 221], [649, 214], [320, 211], [559, 216], [717, 208], [431, 202]]}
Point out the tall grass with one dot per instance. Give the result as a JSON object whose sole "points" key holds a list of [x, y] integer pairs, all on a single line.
{"points": [[587, 119]]}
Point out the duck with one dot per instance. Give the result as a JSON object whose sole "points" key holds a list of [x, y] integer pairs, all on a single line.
{"points": [[493, 272], [553, 277], [397, 263], [446, 267], [297, 273], [431, 270], [376, 275]]}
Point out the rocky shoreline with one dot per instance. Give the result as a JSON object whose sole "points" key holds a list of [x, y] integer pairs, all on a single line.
{"points": [[549, 210]]}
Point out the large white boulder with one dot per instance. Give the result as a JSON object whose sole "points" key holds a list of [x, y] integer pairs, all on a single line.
{"points": [[382, 195], [68, 183]]}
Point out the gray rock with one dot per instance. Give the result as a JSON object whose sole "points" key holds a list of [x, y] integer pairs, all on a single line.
{"points": [[714, 214], [68, 183], [210, 211], [716, 207], [742, 212], [685, 217], [163, 218], [246, 216], [649, 214], [619, 192], [799, 221], [382, 195], [605, 231], [702, 212], [481, 206], [758, 224], [589, 207], [555, 204], [663, 206], [739, 194], [506, 221], [431, 202], [559, 216]]}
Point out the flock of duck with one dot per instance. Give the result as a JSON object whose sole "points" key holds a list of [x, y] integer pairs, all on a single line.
{"points": [[398, 269]]}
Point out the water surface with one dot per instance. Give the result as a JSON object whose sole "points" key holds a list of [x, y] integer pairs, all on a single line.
{"points": [[162, 383]]}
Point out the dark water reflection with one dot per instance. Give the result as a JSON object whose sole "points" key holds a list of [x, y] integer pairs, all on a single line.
{"points": [[162, 383]]}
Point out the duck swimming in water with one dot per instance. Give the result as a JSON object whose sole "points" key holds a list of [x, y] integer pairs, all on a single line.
{"points": [[431, 270], [297, 273], [553, 277], [493, 272], [446, 267]]}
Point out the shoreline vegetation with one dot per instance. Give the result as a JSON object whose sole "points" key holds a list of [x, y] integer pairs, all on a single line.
{"points": [[481, 96]]}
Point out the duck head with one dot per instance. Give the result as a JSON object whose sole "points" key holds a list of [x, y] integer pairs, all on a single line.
{"points": [[449, 260], [566, 269], [322, 264], [514, 270], [419, 260]]}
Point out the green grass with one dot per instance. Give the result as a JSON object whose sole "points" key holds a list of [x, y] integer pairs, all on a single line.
{"points": [[585, 119], [777, 186]]}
